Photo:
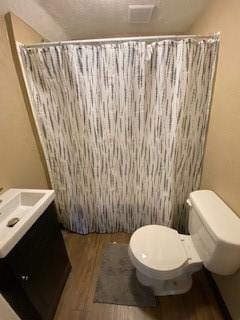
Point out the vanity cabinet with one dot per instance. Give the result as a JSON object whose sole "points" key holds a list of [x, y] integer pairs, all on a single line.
{"points": [[33, 274]]}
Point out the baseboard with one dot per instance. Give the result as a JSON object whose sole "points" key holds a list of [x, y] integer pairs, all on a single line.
{"points": [[219, 298]]}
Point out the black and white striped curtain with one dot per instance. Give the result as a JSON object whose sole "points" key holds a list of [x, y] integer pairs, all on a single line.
{"points": [[122, 127]]}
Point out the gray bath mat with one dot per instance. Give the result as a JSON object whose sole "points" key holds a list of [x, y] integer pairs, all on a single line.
{"points": [[117, 282]]}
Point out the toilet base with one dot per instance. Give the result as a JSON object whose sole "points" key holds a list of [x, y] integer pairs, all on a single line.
{"points": [[174, 286]]}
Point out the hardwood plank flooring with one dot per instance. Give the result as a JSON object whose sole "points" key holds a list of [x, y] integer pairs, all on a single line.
{"points": [[76, 303]]}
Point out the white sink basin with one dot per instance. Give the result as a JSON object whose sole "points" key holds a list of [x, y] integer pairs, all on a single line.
{"points": [[19, 209]]}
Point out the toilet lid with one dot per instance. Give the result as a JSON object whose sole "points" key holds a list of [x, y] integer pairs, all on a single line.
{"points": [[158, 247]]}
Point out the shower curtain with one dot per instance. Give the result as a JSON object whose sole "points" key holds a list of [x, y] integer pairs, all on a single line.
{"points": [[123, 127]]}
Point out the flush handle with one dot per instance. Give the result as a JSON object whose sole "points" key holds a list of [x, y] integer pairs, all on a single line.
{"points": [[189, 203]]}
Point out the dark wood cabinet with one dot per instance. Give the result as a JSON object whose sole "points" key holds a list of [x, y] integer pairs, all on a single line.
{"points": [[33, 274]]}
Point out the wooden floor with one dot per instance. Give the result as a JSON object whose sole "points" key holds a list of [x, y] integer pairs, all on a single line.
{"points": [[77, 299]]}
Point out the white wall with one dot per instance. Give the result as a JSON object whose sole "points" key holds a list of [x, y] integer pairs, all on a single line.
{"points": [[221, 168], [20, 162]]}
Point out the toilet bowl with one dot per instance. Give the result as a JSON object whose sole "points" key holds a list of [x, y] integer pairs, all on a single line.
{"points": [[165, 259]]}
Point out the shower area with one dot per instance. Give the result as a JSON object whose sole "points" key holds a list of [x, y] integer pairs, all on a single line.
{"points": [[122, 124]]}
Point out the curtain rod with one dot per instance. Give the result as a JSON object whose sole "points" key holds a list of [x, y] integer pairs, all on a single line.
{"points": [[110, 40]]}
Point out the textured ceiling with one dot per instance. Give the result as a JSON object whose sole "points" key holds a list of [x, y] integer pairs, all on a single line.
{"points": [[79, 19], [36, 16], [101, 18]]}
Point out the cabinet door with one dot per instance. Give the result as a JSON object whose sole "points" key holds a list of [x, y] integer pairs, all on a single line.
{"points": [[41, 263], [11, 290]]}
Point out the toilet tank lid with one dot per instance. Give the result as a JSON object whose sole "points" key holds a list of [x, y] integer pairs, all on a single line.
{"points": [[220, 221]]}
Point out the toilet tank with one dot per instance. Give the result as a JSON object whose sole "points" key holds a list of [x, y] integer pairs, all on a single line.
{"points": [[215, 231]]}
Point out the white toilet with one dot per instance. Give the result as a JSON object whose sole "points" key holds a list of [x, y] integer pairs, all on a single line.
{"points": [[165, 259]]}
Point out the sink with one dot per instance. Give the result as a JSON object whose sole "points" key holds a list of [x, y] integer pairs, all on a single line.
{"points": [[19, 209]]}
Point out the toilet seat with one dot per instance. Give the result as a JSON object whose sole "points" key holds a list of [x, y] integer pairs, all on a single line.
{"points": [[157, 251]]}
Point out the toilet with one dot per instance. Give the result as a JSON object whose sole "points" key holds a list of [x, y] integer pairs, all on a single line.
{"points": [[165, 259]]}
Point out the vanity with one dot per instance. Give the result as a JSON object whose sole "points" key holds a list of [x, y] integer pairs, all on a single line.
{"points": [[34, 264]]}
